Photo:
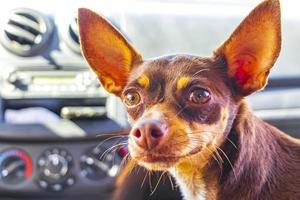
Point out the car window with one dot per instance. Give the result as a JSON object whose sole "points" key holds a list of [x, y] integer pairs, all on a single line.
{"points": [[198, 27]]}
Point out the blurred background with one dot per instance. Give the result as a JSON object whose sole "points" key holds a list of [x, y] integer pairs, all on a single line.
{"points": [[54, 115]]}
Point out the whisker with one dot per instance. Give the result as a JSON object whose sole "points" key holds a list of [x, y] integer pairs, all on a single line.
{"points": [[229, 162], [110, 149], [219, 156], [124, 160], [131, 164], [123, 132], [132, 167], [216, 157], [110, 134], [150, 182], [231, 142], [110, 138], [138, 170], [118, 148], [144, 179], [171, 182], [198, 72], [158, 183]]}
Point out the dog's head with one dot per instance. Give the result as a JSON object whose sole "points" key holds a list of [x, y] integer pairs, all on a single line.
{"points": [[180, 107]]}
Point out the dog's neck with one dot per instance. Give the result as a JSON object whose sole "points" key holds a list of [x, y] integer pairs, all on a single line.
{"points": [[255, 152]]}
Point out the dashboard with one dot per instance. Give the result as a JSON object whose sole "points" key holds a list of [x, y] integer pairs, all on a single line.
{"points": [[37, 163], [55, 122], [75, 169]]}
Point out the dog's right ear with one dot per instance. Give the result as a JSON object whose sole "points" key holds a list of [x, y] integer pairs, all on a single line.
{"points": [[106, 50], [252, 49]]}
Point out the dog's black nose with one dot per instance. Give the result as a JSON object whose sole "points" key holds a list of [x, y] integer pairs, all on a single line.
{"points": [[149, 133]]}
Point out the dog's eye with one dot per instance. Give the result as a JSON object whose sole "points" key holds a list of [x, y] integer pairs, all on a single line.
{"points": [[132, 98], [199, 96]]}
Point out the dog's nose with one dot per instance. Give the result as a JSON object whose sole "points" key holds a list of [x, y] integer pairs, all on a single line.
{"points": [[149, 133]]}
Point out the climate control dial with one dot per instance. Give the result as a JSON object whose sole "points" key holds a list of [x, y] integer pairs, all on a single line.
{"points": [[99, 163], [54, 168], [15, 166]]}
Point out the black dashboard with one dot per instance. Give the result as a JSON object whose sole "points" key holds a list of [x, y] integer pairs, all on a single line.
{"points": [[36, 163], [56, 172]]}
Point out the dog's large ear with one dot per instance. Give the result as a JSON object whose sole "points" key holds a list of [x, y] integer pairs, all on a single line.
{"points": [[253, 48], [108, 53]]}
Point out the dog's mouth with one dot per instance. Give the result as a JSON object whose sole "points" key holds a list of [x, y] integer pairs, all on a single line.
{"points": [[162, 160], [152, 158]]}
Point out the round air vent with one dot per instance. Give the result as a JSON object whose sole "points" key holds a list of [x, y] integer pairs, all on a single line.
{"points": [[72, 36], [26, 32]]}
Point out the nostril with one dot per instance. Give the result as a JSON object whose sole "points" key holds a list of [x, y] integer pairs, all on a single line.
{"points": [[148, 134], [155, 133], [137, 133]]}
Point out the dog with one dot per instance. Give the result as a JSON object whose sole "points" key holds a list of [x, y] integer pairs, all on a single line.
{"points": [[189, 116]]}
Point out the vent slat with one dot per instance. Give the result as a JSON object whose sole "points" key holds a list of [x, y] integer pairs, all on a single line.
{"points": [[74, 27], [20, 41], [20, 33], [22, 26], [72, 36], [27, 15], [25, 22]]}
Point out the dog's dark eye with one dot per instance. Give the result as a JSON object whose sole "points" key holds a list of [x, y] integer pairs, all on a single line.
{"points": [[199, 96], [132, 99]]}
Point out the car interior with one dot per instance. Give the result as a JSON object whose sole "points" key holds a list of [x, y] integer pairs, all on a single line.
{"points": [[57, 123]]}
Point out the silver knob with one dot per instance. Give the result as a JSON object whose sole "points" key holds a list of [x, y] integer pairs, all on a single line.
{"points": [[56, 166]]}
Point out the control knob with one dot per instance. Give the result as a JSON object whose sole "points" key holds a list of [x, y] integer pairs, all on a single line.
{"points": [[98, 163], [54, 168], [15, 166]]}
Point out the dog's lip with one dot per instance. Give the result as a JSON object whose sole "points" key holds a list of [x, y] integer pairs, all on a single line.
{"points": [[159, 158]]}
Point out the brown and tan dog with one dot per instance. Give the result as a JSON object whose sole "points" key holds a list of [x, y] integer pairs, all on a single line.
{"points": [[188, 113]]}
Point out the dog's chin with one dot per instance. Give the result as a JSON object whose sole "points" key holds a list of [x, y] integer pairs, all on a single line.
{"points": [[162, 162]]}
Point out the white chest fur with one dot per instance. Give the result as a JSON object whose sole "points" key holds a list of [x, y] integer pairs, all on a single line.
{"points": [[192, 187]]}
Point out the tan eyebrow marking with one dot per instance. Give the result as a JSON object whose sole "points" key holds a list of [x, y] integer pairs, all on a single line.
{"points": [[144, 81], [182, 82]]}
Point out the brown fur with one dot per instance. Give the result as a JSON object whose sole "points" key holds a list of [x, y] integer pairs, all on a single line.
{"points": [[266, 162], [217, 149]]}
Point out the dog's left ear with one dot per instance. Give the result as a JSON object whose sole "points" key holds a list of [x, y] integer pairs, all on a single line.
{"points": [[107, 51], [253, 48]]}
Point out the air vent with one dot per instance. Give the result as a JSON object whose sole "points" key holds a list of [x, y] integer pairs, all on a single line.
{"points": [[72, 37], [26, 32]]}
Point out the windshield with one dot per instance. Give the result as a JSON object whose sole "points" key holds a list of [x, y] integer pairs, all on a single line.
{"points": [[199, 27]]}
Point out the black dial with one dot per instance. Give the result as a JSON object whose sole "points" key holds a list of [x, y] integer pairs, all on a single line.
{"points": [[54, 167], [98, 163], [15, 166]]}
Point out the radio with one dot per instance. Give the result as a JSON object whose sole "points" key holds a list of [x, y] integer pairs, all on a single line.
{"points": [[24, 83]]}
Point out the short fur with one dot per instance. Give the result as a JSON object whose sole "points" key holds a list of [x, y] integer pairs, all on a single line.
{"points": [[216, 149]]}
